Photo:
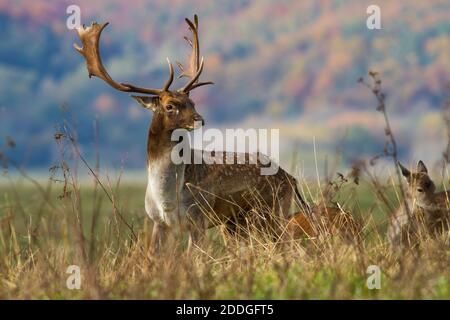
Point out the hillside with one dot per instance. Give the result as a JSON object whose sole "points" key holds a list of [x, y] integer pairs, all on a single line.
{"points": [[287, 64]]}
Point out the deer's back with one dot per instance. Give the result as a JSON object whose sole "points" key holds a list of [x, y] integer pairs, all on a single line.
{"points": [[227, 179]]}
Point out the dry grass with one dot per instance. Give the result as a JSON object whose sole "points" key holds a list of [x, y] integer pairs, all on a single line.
{"points": [[41, 234], [101, 227]]}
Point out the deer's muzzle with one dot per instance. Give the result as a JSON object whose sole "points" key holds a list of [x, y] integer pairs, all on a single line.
{"points": [[198, 121]]}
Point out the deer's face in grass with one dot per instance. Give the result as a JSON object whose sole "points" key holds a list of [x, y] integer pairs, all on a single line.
{"points": [[420, 182], [174, 109]]}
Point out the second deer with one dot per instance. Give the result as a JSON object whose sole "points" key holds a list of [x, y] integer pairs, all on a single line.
{"points": [[321, 220], [428, 209]]}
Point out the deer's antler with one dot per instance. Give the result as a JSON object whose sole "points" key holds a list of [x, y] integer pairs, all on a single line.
{"points": [[195, 67], [90, 38]]}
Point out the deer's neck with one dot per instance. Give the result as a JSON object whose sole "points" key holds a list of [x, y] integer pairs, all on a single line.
{"points": [[163, 173], [165, 178], [159, 143]]}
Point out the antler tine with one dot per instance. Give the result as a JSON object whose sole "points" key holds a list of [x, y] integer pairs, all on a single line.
{"points": [[194, 43], [170, 80], [189, 41], [199, 84], [90, 38], [195, 65], [189, 85], [181, 69], [194, 56]]}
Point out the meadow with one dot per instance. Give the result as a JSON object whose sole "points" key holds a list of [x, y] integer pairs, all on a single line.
{"points": [[98, 223], [47, 226]]}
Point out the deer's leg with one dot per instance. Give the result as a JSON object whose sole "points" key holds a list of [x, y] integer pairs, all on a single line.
{"points": [[281, 205], [159, 235], [197, 229], [286, 203], [197, 216]]}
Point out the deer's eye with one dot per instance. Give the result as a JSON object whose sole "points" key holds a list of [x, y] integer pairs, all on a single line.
{"points": [[419, 189], [169, 108]]}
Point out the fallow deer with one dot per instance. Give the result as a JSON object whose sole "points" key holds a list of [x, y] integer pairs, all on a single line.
{"points": [[195, 196], [428, 208], [321, 220]]}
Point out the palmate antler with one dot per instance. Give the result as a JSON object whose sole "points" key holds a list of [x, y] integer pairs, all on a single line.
{"points": [[90, 38]]}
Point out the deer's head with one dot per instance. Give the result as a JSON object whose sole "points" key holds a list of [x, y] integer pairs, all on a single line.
{"points": [[419, 181], [172, 109]]}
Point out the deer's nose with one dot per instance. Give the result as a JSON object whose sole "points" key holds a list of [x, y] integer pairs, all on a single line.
{"points": [[199, 118]]}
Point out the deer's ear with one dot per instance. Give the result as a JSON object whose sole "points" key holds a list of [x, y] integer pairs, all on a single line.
{"points": [[406, 173], [421, 167], [147, 102]]}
